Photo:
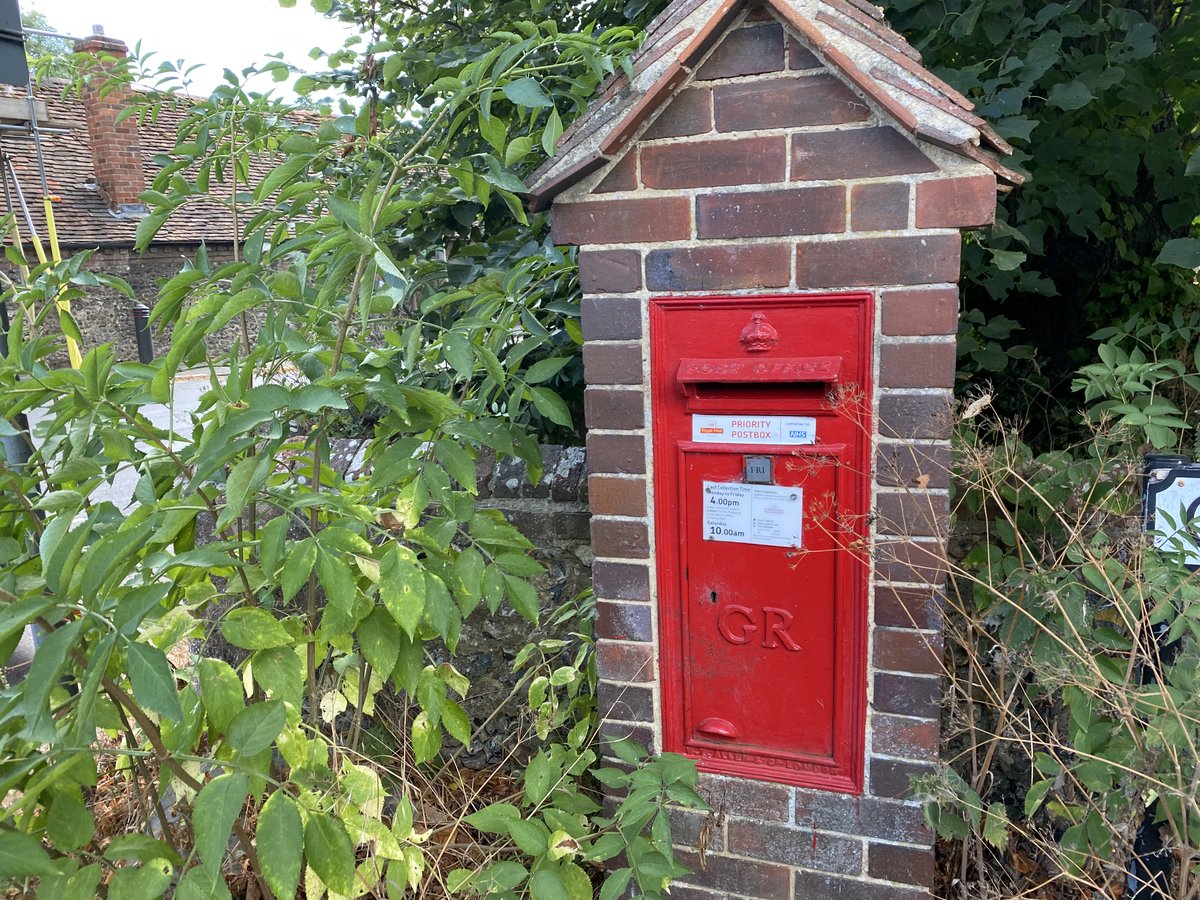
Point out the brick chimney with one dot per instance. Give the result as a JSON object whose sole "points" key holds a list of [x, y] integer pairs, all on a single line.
{"points": [[116, 150]]}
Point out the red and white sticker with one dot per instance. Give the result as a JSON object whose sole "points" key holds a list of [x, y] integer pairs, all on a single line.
{"points": [[779, 430]]}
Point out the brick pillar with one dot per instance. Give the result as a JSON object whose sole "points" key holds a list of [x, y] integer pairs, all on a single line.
{"points": [[770, 171], [116, 148]]}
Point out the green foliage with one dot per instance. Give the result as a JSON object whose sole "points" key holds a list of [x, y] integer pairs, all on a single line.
{"points": [[1101, 103], [1067, 717], [387, 283]]}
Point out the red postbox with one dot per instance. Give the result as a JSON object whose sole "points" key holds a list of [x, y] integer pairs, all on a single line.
{"points": [[762, 489]]}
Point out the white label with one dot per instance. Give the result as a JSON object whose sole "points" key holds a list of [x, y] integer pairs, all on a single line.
{"points": [[753, 513], [782, 430], [1175, 529]]}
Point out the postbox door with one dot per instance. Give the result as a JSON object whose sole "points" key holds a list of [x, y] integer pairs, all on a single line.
{"points": [[761, 493], [760, 632]]}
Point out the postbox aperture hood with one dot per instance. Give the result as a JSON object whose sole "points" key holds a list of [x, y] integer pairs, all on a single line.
{"points": [[850, 37]]}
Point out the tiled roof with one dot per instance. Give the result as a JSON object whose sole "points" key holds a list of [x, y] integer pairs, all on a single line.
{"points": [[851, 36], [82, 214]]}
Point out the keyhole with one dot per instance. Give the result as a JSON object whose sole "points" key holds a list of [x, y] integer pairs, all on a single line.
{"points": [[712, 595]]}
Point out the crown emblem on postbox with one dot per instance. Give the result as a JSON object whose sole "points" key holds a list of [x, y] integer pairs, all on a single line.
{"points": [[760, 335]]}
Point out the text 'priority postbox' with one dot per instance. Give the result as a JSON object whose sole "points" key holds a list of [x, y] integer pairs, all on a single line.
{"points": [[762, 490]]}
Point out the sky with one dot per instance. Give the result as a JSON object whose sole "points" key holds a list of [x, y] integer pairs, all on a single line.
{"points": [[218, 33]]}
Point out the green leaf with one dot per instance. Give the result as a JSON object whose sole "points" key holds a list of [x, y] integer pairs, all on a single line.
{"points": [[1193, 166], [254, 629], [995, 826], [153, 682], [244, 479], [203, 883], [330, 852], [222, 693], [1036, 795], [147, 882], [523, 597], [526, 92], [379, 640], [539, 774], [1070, 95], [255, 728], [548, 885], [494, 818], [217, 807], [280, 841], [337, 580], [500, 877], [299, 566], [552, 132], [550, 405], [456, 722], [1182, 252], [69, 823], [457, 351], [426, 737], [402, 588], [22, 856]]}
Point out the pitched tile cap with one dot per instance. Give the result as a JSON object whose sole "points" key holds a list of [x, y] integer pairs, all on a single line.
{"points": [[852, 38]]}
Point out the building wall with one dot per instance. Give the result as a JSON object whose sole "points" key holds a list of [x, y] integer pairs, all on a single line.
{"points": [[768, 173], [105, 315]]}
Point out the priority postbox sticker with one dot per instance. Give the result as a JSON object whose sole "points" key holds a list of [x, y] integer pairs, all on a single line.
{"points": [[753, 514], [779, 430]]}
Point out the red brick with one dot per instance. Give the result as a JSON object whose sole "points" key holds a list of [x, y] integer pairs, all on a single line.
{"points": [[693, 164], [913, 514], [622, 176], [610, 271], [880, 260], [893, 777], [619, 454], [855, 153], [611, 319], [625, 662], [612, 496], [920, 313], [747, 799], [786, 103], [621, 580], [759, 12], [615, 410], [746, 51], [907, 865], [915, 416], [914, 465], [814, 210], [907, 695], [900, 650], [612, 363], [908, 608], [621, 221], [796, 846], [957, 203], [620, 538], [799, 56], [718, 268], [913, 739], [911, 561], [623, 621], [879, 206], [690, 112], [625, 703], [868, 816], [743, 877]]}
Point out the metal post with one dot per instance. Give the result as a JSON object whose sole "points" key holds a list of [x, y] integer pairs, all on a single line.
{"points": [[19, 447], [141, 330]]}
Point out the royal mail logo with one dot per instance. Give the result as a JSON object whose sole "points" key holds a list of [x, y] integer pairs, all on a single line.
{"points": [[711, 430]]}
